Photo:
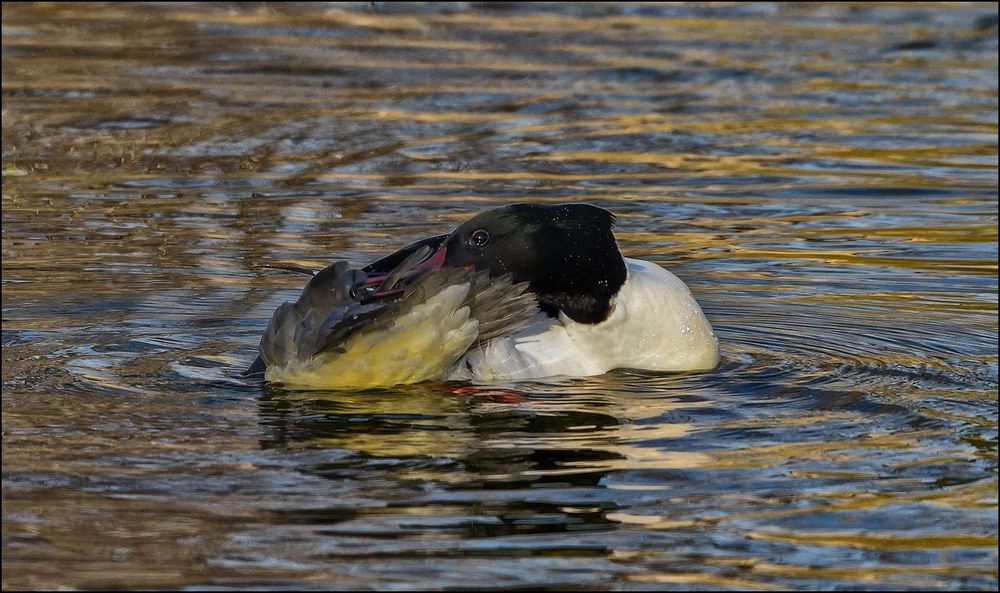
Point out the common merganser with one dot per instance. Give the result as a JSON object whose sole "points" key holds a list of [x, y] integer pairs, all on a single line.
{"points": [[521, 292]]}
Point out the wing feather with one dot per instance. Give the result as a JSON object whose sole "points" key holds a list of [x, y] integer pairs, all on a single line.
{"points": [[329, 337]]}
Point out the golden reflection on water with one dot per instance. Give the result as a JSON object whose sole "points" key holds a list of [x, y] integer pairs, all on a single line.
{"points": [[822, 176]]}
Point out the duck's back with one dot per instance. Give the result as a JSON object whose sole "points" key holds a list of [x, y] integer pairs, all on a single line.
{"points": [[655, 324]]}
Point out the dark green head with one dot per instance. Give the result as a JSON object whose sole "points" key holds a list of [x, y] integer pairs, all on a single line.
{"points": [[566, 252]]}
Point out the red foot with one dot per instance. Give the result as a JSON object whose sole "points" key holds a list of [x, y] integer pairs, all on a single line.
{"points": [[502, 396]]}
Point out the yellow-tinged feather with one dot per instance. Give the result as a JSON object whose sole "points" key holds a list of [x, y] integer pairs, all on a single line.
{"points": [[421, 344]]}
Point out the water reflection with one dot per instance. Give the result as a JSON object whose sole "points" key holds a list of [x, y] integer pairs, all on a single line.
{"points": [[455, 440], [499, 437]]}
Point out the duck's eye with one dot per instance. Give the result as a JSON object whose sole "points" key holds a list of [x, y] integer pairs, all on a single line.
{"points": [[479, 238]]}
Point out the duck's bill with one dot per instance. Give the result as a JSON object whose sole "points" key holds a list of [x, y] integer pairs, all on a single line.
{"points": [[389, 263], [409, 263]]}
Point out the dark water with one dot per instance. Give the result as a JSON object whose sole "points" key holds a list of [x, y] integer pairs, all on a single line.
{"points": [[824, 178]]}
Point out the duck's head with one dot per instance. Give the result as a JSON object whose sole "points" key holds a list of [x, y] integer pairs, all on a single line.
{"points": [[566, 252]]}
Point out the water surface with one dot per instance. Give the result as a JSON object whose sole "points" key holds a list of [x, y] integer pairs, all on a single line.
{"points": [[823, 177]]}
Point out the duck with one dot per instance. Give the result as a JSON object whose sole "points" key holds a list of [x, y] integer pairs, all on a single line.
{"points": [[523, 292]]}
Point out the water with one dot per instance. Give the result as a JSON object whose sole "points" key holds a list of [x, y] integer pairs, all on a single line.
{"points": [[824, 178]]}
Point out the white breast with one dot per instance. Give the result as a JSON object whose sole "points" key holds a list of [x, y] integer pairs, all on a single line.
{"points": [[655, 324]]}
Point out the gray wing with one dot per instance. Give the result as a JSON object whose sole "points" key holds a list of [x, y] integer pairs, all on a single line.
{"points": [[328, 312], [296, 330], [502, 307]]}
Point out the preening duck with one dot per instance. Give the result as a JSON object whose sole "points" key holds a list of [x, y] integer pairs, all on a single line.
{"points": [[521, 292]]}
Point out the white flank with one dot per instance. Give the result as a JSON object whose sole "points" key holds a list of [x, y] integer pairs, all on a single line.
{"points": [[655, 324]]}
